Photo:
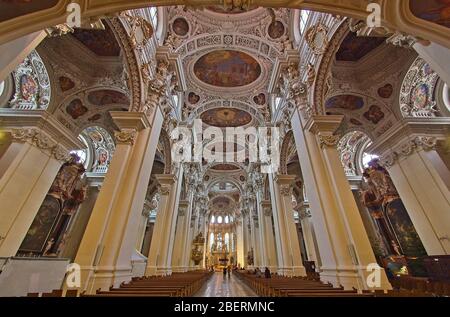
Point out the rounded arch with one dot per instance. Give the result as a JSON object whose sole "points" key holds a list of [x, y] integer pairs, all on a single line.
{"points": [[225, 178], [101, 148], [351, 149], [132, 65], [287, 140], [214, 104], [164, 140]]}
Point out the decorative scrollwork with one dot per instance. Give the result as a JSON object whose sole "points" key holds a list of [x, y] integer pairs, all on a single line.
{"points": [[125, 136], [317, 38], [328, 140], [286, 190]]}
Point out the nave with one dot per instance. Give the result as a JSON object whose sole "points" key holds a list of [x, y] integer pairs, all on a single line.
{"points": [[220, 285], [142, 149]]}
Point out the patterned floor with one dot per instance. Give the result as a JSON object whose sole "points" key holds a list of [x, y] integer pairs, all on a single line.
{"points": [[218, 286]]}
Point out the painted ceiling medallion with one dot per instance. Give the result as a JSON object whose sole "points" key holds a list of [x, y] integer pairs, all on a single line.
{"points": [[227, 68], [226, 117], [276, 29], [193, 98], [180, 26]]}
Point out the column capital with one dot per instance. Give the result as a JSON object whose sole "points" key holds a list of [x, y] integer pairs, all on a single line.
{"points": [[41, 129], [126, 120], [165, 181], [324, 124], [407, 136], [285, 179]]}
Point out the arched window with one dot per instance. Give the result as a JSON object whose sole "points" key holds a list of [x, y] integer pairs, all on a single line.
{"points": [[101, 149], [154, 17], [211, 240], [227, 240], [304, 16], [227, 219], [213, 219], [83, 154], [446, 96], [219, 219], [367, 158]]}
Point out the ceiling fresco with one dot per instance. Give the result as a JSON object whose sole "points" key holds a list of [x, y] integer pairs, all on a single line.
{"points": [[10, 9], [436, 11], [226, 117], [107, 97], [353, 48], [100, 42], [347, 102], [227, 68]]}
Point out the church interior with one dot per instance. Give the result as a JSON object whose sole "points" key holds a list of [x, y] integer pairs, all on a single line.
{"points": [[335, 184]]}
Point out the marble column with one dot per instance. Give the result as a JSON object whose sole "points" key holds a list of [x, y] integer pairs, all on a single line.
{"points": [[39, 146], [182, 245], [290, 247], [344, 247], [261, 231], [160, 255], [408, 151], [254, 227], [241, 255], [110, 237], [271, 253], [308, 232]]}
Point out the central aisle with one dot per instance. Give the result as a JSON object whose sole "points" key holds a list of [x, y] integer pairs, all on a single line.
{"points": [[218, 286]]}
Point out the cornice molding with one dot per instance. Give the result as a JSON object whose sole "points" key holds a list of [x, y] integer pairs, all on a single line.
{"points": [[42, 123]]}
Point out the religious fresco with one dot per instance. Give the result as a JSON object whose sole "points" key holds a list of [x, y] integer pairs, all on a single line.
{"points": [[66, 83], [436, 11], [260, 99], [28, 87], [226, 68], [386, 91], [347, 102], [374, 114], [353, 48], [76, 109], [193, 98], [180, 26], [48, 232], [10, 9], [226, 117], [37, 235], [107, 97], [419, 96], [100, 42], [276, 29]]}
